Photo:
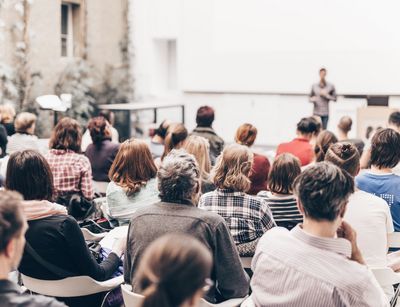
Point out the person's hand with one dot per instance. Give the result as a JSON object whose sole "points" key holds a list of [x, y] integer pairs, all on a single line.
{"points": [[119, 246], [323, 93], [345, 231], [313, 99]]}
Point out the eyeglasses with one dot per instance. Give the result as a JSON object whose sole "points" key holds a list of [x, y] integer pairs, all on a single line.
{"points": [[208, 284]]}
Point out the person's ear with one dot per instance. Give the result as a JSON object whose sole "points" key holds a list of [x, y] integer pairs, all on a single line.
{"points": [[9, 251], [300, 207], [343, 209]]}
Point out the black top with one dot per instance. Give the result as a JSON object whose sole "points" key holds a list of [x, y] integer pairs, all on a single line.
{"points": [[11, 296], [3, 140], [59, 240], [10, 128], [101, 159]]}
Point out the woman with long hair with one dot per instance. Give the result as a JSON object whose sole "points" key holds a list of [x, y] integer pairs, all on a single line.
{"points": [[324, 140], [176, 135]]}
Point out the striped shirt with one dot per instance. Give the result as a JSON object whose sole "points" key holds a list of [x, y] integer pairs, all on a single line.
{"points": [[284, 209], [310, 271]]}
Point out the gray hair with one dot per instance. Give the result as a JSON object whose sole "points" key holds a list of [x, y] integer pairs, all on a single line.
{"points": [[178, 177]]}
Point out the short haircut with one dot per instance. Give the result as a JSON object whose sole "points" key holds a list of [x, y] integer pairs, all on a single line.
{"points": [[323, 190], [66, 135], [98, 130], [246, 134], [284, 171], [24, 121], [11, 217], [307, 125], [324, 140], [205, 116], [394, 119], [29, 173], [178, 177], [346, 156], [322, 69], [385, 146], [345, 124]]}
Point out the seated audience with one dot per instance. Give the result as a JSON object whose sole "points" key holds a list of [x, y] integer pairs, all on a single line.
{"points": [[199, 148], [179, 186], [102, 151], [175, 138], [394, 123], [3, 141], [204, 120], [279, 196], [300, 146], [7, 115], [56, 239], [157, 141], [247, 216], [317, 263], [109, 117], [12, 237], [344, 127], [182, 264], [380, 180], [318, 120], [133, 181], [71, 170], [246, 135], [24, 137], [324, 140], [368, 214]]}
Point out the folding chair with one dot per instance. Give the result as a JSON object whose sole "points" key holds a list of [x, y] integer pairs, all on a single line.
{"points": [[388, 277], [90, 236]]}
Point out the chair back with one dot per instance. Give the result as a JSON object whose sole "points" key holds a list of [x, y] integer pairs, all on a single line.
{"points": [[131, 299], [90, 236]]}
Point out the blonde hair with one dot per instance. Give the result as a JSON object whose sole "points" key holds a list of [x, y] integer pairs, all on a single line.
{"points": [[199, 147], [24, 121], [7, 112], [233, 168]]}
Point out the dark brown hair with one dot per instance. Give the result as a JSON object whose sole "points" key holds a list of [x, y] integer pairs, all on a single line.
{"points": [[205, 116], [324, 140], [346, 156], [176, 134], [246, 135], [99, 130], [11, 217], [284, 171], [29, 174], [133, 166], [345, 124], [173, 268], [66, 134], [394, 119], [385, 146], [308, 125]]}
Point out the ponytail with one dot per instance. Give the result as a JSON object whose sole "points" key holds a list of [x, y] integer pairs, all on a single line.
{"points": [[156, 295], [177, 133]]}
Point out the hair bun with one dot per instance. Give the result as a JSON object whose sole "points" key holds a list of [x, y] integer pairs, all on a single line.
{"points": [[346, 148]]}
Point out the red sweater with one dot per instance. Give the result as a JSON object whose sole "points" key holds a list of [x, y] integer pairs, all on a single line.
{"points": [[299, 147]]}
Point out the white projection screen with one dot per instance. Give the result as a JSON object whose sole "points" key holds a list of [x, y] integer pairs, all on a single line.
{"points": [[278, 46]]}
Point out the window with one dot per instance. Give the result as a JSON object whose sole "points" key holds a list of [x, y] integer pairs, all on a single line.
{"points": [[71, 36]]}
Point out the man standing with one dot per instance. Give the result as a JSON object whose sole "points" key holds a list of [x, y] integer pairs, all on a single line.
{"points": [[321, 93]]}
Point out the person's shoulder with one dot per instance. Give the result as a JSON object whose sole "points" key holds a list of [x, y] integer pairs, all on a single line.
{"points": [[272, 236]]}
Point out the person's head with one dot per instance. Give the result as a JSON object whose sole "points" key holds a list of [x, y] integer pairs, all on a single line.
{"points": [[246, 135], [99, 129], [133, 166], [108, 115], [324, 140], [322, 73], [322, 192], [233, 168], [29, 173], [346, 156], [179, 178], [12, 230], [345, 124], [385, 146], [7, 113], [25, 123], [199, 147], [205, 116], [174, 271], [307, 127], [66, 135], [394, 121], [318, 121], [176, 135], [162, 130], [284, 171]]}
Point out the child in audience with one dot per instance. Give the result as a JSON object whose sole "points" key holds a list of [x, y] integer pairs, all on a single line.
{"points": [[324, 140], [380, 180], [280, 198], [174, 271]]}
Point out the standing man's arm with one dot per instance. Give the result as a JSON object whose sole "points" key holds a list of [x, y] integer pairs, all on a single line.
{"points": [[312, 97], [332, 94]]}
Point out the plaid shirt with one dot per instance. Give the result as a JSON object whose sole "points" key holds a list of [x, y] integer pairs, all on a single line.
{"points": [[71, 171], [247, 216]]}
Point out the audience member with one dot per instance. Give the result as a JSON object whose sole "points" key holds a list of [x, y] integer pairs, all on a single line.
{"points": [[55, 245], [247, 216], [133, 181], [176, 136], [110, 117], [12, 237], [157, 141], [317, 263], [24, 137], [102, 151], [246, 135], [318, 120], [279, 196], [179, 186], [380, 180], [71, 170], [300, 146], [199, 147], [3, 141], [174, 271], [344, 127], [324, 140], [7, 115], [204, 120]]}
